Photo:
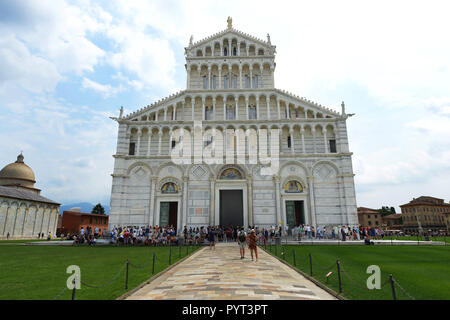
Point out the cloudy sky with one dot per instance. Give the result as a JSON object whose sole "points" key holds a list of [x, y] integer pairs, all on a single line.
{"points": [[66, 66]]}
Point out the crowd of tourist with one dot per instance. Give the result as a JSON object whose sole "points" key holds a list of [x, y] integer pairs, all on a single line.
{"points": [[168, 235]]}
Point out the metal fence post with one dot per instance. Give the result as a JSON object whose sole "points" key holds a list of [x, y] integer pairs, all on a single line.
{"points": [[293, 254], [391, 279], [126, 278], [74, 289], [153, 268], [339, 275], [310, 264]]}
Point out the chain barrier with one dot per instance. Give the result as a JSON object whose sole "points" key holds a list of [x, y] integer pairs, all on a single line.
{"points": [[404, 291], [320, 267], [60, 294], [107, 283]]}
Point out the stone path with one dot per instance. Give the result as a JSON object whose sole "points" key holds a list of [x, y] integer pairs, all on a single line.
{"points": [[221, 275]]}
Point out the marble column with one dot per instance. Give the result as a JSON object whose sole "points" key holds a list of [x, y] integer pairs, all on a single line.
{"points": [[268, 107], [250, 200], [185, 201], [159, 142], [149, 143], [212, 182], [278, 109], [257, 107], [152, 213], [291, 132], [278, 199], [312, 201], [313, 130], [139, 142], [302, 132]]}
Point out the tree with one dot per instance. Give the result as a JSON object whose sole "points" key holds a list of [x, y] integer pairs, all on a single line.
{"points": [[385, 210], [98, 209]]}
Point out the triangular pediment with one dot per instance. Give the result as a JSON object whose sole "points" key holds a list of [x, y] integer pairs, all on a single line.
{"points": [[232, 34]]}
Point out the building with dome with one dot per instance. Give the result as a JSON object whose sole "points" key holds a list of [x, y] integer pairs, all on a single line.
{"points": [[24, 213], [276, 158]]}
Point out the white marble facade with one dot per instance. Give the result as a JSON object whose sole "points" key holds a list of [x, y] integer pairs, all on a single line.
{"points": [[230, 85]]}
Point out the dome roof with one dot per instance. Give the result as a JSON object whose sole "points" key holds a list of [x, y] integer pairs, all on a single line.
{"points": [[17, 170]]}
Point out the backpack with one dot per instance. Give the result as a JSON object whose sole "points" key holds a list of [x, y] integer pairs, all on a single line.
{"points": [[241, 236]]}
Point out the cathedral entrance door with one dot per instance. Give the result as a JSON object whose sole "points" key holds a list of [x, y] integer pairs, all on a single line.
{"points": [[295, 214], [168, 214], [231, 208]]}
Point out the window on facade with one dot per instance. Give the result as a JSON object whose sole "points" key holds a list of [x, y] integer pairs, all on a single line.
{"points": [[174, 143], [234, 81], [247, 81], [132, 149], [255, 81], [289, 142], [214, 82], [333, 146], [376, 216], [376, 222], [230, 113], [234, 51], [252, 112], [369, 223], [208, 113], [225, 82], [205, 83], [225, 51]]}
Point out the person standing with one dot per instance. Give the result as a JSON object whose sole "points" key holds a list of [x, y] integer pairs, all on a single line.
{"points": [[241, 237], [252, 244], [211, 238]]}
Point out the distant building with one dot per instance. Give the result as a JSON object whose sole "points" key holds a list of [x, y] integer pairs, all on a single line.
{"points": [[370, 218], [24, 213], [74, 220], [393, 221], [425, 214]]}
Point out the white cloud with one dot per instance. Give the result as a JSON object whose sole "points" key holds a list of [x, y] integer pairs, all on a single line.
{"points": [[105, 89]]}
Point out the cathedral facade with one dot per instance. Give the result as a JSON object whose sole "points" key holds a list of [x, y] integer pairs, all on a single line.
{"points": [[272, 158]]}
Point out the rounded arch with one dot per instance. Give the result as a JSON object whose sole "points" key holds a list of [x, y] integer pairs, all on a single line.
{"points": [[296, 163], [166, 181], [229, 169], [139, 164], [333, 165], [169, 164], [303, 184]]}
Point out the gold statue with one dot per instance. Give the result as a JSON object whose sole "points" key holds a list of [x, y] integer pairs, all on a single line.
{"points": [[230, 23]]}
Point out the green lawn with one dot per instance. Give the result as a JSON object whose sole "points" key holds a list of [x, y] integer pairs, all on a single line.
{"points": [[39, 272], [422, 271]]}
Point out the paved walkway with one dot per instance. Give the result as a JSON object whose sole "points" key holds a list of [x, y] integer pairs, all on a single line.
{"points": [[221, 275]]}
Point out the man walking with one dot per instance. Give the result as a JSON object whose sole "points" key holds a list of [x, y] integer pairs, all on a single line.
{"points": [[211, 238], [242, 236]]}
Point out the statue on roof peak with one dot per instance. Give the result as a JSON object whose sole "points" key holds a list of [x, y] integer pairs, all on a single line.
{"points": [[191, 41], [268, 39], [230, 23]]}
